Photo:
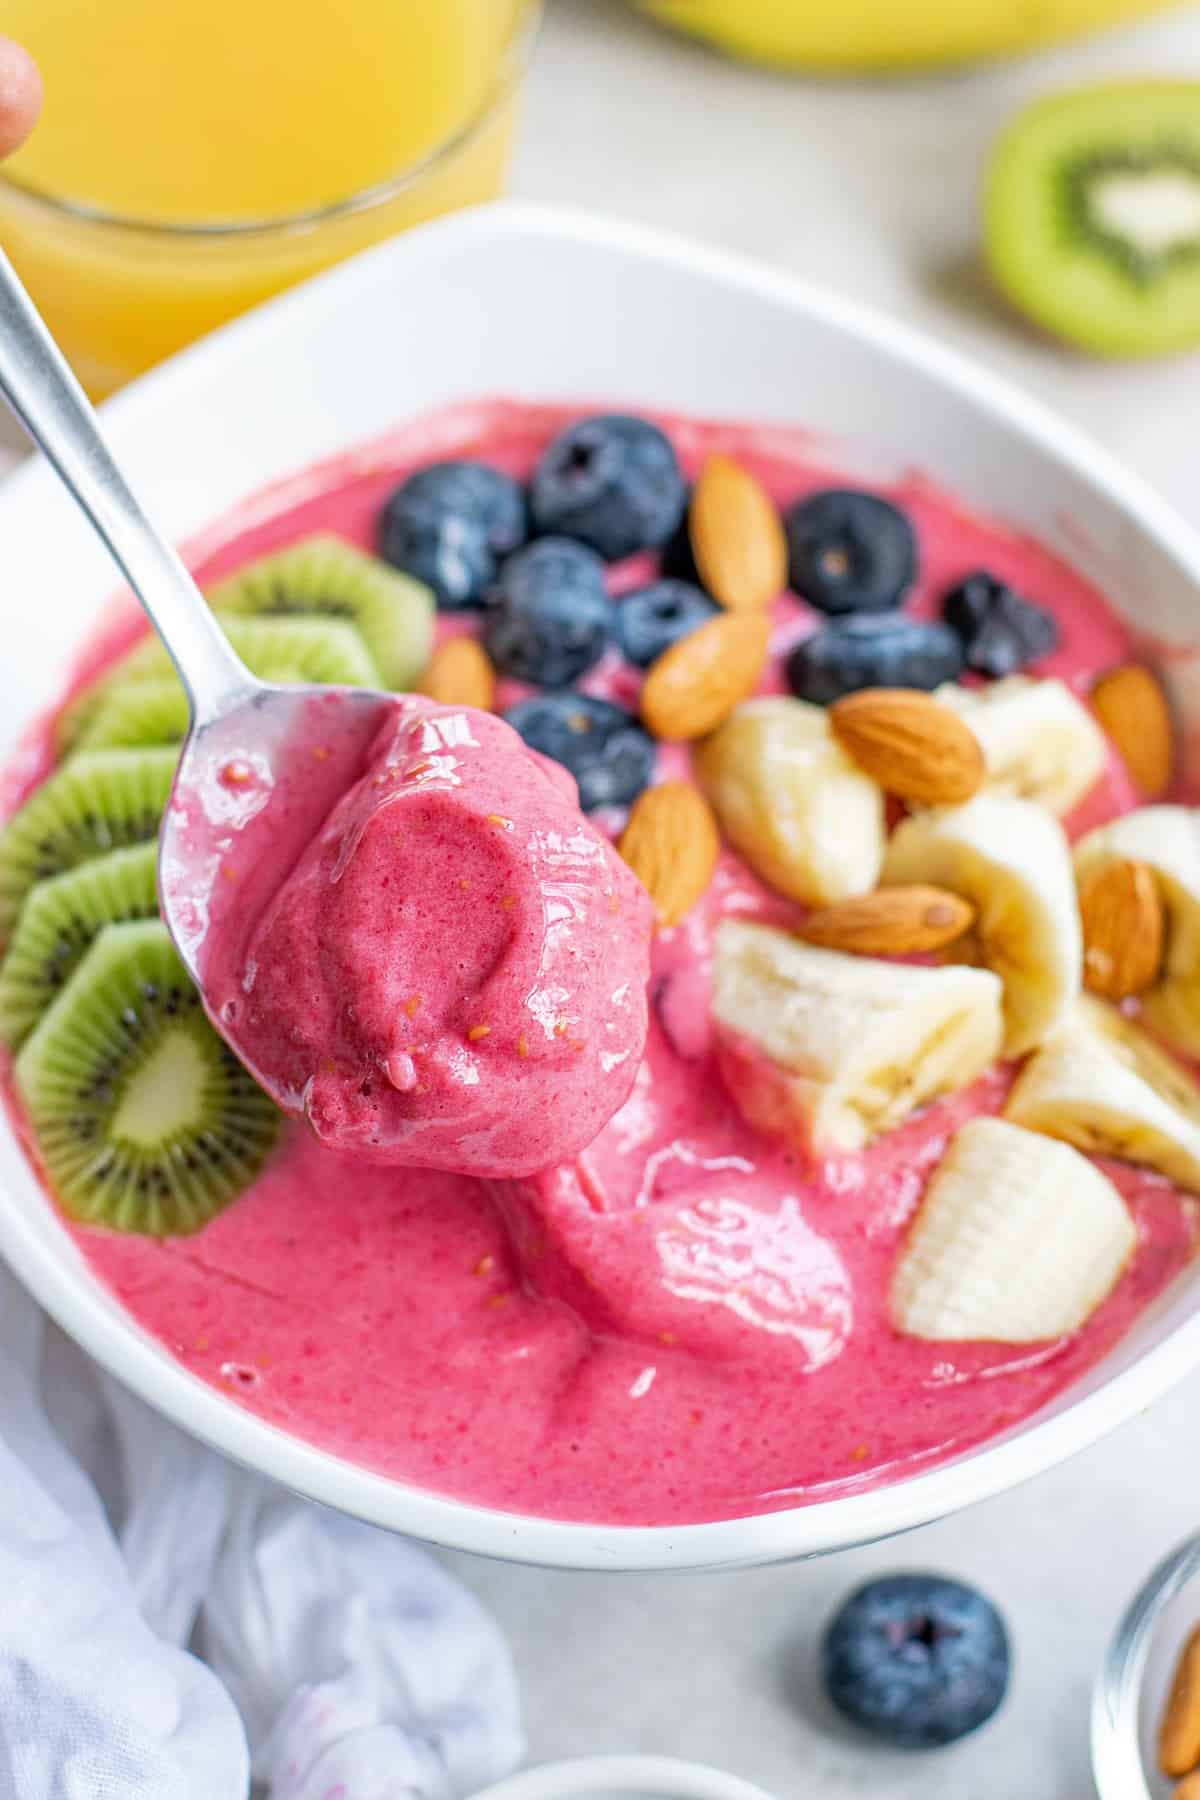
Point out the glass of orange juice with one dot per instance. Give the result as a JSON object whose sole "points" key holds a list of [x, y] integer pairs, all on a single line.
{"points": [[195, 156]]}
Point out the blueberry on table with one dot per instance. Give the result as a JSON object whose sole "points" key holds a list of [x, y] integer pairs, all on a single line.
{"points": [[916, 1660], [874, 650], [613, 482], [651, 619], [549, 616], [1001, 633], [603, 746], [451, 525], [850, 552]]}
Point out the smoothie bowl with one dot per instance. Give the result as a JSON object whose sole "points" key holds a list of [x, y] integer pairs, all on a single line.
{"points": [[856, 1205]]}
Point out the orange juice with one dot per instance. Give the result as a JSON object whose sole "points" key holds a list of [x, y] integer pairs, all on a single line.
{"points": [[197, 155]]}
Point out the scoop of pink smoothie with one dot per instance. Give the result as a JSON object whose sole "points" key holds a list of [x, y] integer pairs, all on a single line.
{"points": [[454, 974]]}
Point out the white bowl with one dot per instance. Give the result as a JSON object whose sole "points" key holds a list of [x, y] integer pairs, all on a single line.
{"points": [[543, 304], [623, 1778]]}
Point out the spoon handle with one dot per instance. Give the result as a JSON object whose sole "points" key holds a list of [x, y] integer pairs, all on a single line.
{"points": [[41, 390]]}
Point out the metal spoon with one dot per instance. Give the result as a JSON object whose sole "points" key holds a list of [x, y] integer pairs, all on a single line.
{"points": [[249, 791]]}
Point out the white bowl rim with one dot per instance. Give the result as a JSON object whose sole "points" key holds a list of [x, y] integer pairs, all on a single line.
{"points": [[820, 1526], [583, 1777]]}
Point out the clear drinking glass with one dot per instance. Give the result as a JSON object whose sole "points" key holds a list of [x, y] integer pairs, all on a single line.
{"points": [[124, 285]]}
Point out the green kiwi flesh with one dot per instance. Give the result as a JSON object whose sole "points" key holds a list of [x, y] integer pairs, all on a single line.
{"points": [[57, 924], [1092, 216], [145, 1120], [137, 715], [324, 577], [300, 650], [101, 800], [320, 651]]}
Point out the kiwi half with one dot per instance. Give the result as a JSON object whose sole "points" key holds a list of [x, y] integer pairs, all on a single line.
{"points": [[1092, 217], [324, 577], [101, 800], [145, 1119], [321, 651], [57, 924]]}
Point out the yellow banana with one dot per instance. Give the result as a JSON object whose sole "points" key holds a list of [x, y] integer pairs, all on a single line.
{"points": [[1019, 1238], [889, 34]]}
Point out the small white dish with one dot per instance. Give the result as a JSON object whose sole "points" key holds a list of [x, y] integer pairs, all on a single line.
{"points": [[550, 305], [1130, 1696], [623, 1778]]}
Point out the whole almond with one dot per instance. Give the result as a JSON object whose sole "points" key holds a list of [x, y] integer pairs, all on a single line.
{"points": [[896, 921], [672, 844], [910, 744], [737, 536], [1124, 923], [461, 674], [1179, 1733], [1132, 707], [695, 685]]}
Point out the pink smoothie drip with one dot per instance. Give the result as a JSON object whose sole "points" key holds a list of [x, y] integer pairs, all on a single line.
{"points": [[682, 1322]]}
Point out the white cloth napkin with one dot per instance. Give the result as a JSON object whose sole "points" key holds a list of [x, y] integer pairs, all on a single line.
{"points": [[340, 1663]]}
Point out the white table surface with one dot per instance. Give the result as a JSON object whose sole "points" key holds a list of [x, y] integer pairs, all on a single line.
{"points": [[871, 189]]}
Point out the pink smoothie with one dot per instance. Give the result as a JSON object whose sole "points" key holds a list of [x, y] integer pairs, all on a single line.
{"points": [[682, 1322]]}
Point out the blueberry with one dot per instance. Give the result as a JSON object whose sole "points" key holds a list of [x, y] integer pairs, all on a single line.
{"points": [[916, 1660], [451, 525], [652, 618], [549, 616], [1000, 631], [612, 482], [678, 559], [604, 747], [850, 552], [873, 651]]}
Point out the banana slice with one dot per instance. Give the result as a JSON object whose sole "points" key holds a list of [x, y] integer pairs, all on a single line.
{"points": [[1039, 741], [791, 801], [1167, 838], [1011, 859], [1103, 1085], [1018, 1239], [829, 1050]]}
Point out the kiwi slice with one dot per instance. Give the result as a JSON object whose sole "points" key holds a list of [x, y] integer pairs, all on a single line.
{"points": [[322, 651], [145, 1120], [322, 576], [57, 924], [316, 650], [101, 800], [137, 714], [1092, 216]]}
